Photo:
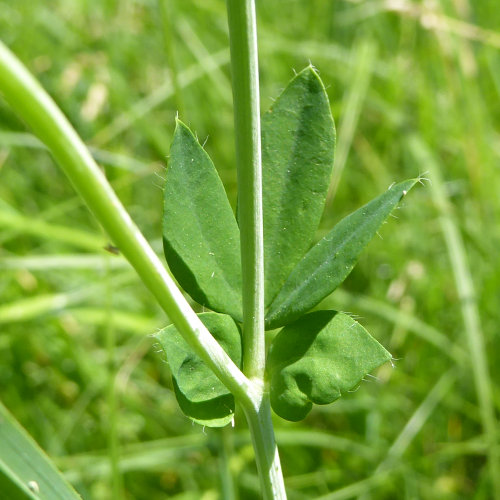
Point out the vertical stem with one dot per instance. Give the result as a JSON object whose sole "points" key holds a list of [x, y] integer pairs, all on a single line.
{"points": [[266, 451], [34, 105], [245, 80], [243, 41]]}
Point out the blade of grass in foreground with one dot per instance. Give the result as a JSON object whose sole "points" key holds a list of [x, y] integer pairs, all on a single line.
{"points": [[25, 470]]}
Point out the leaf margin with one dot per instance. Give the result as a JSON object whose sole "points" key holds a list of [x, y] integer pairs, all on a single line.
{"points": [[299, 127], [174, 346], [186, 263], [284, 362], [283, 310]]}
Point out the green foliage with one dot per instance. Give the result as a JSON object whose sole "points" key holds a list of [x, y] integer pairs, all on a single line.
{"points": [[200, 235], [330, 261], [316, 359], [298, 142], [53, 372], [200, 394], [26, 473], [298, 137]]}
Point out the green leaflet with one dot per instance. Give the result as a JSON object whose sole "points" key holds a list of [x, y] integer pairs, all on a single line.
{"points": [[316, 359], [298, 143], [25, 471], [329, 262], [200, 394], [201, 239]]}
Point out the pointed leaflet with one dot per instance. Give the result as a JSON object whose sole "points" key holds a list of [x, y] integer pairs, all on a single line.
{"points": [[200, 394], [330, 261], [316, 359], [298, 142], [200, 236], [25, 471]]}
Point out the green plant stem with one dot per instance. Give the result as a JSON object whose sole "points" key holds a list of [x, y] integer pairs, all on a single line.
{"points": [[40, 112], [266, 451], [245, 80]]}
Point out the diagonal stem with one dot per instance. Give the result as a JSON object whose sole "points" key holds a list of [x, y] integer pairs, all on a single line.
{"points": [[39, 111]]}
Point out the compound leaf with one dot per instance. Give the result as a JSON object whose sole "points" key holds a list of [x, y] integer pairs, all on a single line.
{"points": [[26, 473], [330, 261], [298, 143], [201, 239], [200, 394], [316, 359]]}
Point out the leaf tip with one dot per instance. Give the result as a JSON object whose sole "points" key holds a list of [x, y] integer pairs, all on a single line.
{"points": [[311, 67], [404, 187], [310, 73], [180, 126], [421, 179]]}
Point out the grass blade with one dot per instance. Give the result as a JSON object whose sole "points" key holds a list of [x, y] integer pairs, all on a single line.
{"points": [[469, 306], [25, 471]]}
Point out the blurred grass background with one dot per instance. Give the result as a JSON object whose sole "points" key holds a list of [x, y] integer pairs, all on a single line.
{"points": [[414, 88]]}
